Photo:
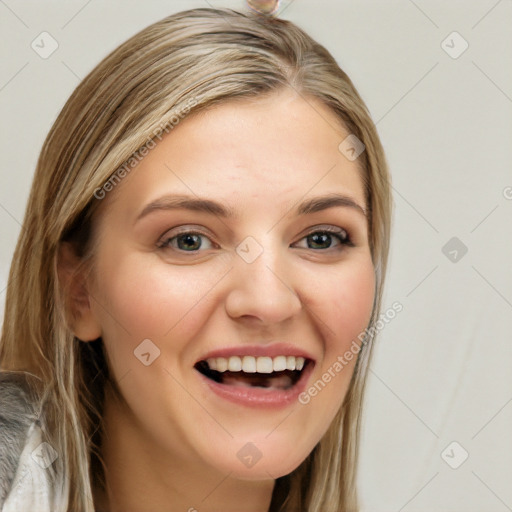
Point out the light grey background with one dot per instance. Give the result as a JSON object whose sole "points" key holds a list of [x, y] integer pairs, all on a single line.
{"points": [[442, 371]]}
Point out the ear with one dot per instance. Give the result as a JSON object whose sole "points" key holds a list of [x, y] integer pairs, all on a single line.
{"points": [[73, 282]]}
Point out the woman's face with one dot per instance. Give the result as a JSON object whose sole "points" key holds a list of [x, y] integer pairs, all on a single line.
{"points": [[248, 286]]}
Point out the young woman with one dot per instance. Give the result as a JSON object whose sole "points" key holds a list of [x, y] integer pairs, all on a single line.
{"points": [[193, 294]]}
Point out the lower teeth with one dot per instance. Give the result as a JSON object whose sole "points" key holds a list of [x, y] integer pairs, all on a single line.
{"points": [[277, 382], [281, 380]]}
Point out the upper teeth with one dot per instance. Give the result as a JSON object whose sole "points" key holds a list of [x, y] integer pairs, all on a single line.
{"points": [[251, 364]]}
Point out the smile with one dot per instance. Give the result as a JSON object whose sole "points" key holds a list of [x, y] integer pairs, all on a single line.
{"points": [[280, 372], [257, 375]]}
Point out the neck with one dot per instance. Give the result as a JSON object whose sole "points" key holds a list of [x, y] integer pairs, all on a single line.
{"points": [[140, 477]]}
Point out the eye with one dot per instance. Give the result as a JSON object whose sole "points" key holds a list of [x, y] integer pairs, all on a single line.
{"points": [[188, 241], [191, 241], [323, 238]]}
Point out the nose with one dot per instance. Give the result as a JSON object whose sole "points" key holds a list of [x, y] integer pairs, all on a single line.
{"points": [[263, 290]]}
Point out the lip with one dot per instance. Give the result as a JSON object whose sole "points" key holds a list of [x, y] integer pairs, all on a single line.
{"points": [[277, 349], [256, 397]]}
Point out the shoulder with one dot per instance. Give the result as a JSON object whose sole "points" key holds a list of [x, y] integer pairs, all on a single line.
{"points": [[31, 471], [18, 413]]}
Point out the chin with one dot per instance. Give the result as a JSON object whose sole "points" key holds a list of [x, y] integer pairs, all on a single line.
{"points": [[262, 460]]}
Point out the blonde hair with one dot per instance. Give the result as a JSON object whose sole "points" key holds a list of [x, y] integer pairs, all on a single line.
{"points": [[184, 63]]}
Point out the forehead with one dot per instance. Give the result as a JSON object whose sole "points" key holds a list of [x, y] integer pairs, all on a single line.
{"points": [[279, 147]]}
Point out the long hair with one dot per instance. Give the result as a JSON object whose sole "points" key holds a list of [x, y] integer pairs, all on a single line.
{"points": [[184, 63]]}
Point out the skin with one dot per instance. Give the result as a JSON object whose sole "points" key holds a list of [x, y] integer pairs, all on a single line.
{"points": [[263, 6], [172, 444]]}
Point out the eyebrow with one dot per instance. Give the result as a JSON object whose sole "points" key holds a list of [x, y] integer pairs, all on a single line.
{"points": [[309, 206]]}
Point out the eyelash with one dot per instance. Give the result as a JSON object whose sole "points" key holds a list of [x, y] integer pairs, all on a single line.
{"points": [[341, 235]]}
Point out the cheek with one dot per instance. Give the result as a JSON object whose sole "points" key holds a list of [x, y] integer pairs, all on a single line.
{"points": [[347, 305], [145, 300], [342, 312]]}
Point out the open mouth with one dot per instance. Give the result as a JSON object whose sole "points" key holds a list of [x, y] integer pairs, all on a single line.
{"points": [[279, 373]]}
